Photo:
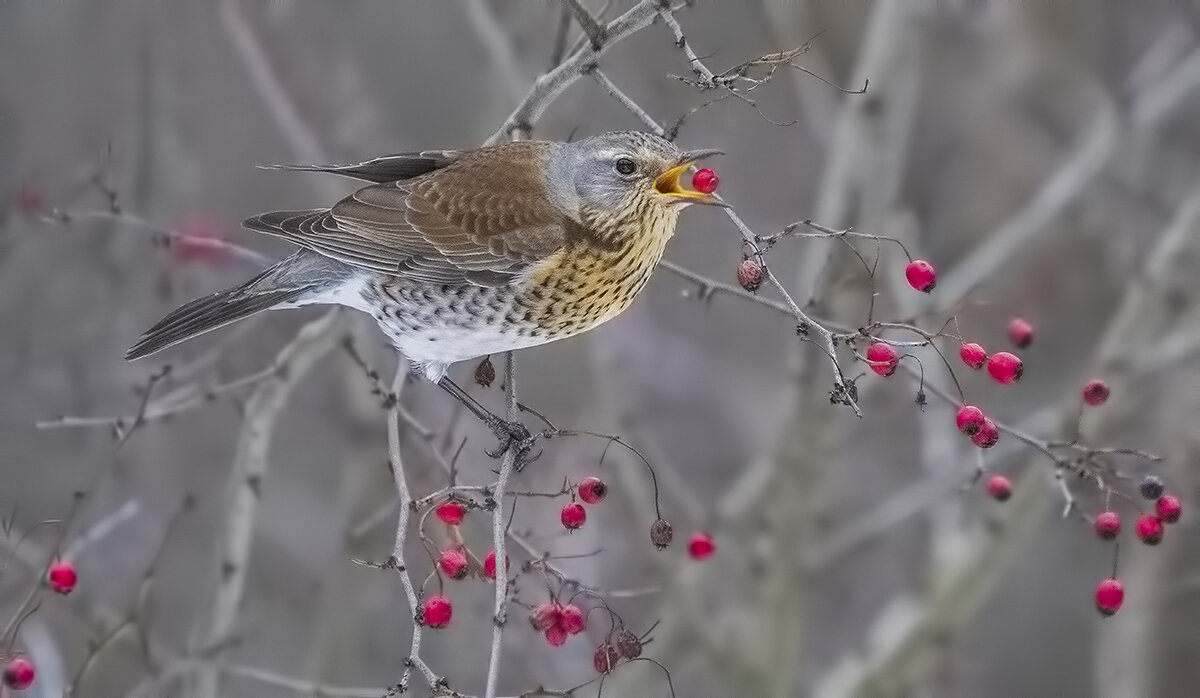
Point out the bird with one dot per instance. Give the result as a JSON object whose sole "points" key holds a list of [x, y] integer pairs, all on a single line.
{"points": [[460, 254]]}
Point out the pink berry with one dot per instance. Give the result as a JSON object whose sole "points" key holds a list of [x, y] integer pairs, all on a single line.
{"points": [[1169, 508], [451, 512], [1108, 525], [62, 577], [489, 565], [1110, 593], [999, 488], [973, 355], [1020, 332], [545, 615], [750, 275], [556, 635], [883, 358], [969, 419], [701, 546], [437, 611], [573, 515], [592, 490], [921, 275], [200, 240], [1005, 368], [19, 674], [605, 658], [705, 181], [988, 434], [1149, 529], [572, 619], [1095, 392], [453, 563]]}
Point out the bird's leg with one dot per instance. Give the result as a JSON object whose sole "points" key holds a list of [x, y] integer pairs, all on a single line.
{"points": [[508, 432]]}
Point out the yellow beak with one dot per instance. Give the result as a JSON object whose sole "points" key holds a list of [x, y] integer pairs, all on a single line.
{"points": [[668, 182]]}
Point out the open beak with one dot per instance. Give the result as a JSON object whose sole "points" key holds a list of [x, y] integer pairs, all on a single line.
{"points": [[668, 182]]}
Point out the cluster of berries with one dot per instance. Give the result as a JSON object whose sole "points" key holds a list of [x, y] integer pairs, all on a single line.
{"points": [[1149, 529], [19, 673]]}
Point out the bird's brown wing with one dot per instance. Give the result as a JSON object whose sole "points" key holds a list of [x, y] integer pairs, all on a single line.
{"points": [[485, 219]]}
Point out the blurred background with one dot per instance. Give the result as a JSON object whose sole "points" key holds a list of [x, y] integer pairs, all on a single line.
{"points": [[1044, 155]]}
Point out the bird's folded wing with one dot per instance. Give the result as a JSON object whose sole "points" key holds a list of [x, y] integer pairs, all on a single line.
{"points": [[389, 168], [479, 221]]}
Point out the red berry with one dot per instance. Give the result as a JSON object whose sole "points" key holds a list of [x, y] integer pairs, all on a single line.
{"points": [[592, 490], [969, 419], [1109, 596], [30, 201], [988, 434], [1005, 368], [701, 546], [62, 577], [556, 635], [605, 659], [883, 358], [200, 240], [750, 275], [489, 565], [453, 563], [19, 674], [705, 181], [1108, 525], [545, 615], [573, 515], [1095, 392], [1149, 529], [451, 512], [1020, 332], [921, 275], [572, 619], [973, 355], [999, 488], [438, 611], [1169, 508]]}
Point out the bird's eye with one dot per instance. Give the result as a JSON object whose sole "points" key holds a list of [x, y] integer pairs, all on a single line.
{"points": [[625, 166]]}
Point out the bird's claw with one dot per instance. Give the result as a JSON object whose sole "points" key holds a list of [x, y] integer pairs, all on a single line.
{"points": [[511, 435]]}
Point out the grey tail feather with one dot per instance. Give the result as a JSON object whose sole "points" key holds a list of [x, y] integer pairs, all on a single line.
{"points": [[285, 282]]}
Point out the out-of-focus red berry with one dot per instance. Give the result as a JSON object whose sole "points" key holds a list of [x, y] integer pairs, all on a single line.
{"points": [[1110, 594], [1020, 332]]}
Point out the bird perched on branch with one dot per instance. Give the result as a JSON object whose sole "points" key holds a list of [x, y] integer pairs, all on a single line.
{"points": [[462, 254]]}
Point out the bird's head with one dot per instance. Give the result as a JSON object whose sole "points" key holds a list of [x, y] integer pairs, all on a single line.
{"points": [[624, 170]]}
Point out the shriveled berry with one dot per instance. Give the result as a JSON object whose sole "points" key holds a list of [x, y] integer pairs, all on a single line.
{"points": [[489, 565], [1020, 332], [705, 181], [969, 419], [701, 546], [453, 563], [485, 372], [1169, 508], [750, 275], [62, 577], [1095, 392], [438, 611], [999, 488], [605, 658], [883, 358], [592, 490], [921, 275], [545, 615], [1108, 525], [1149, 529], [19, 674], [451, 512], [661, 533], [1110, 594], [573, 515], [1151, 487], [629, 645], [973, 355], [572, 619], [987, 436], [556, 635], [1005, 368]]}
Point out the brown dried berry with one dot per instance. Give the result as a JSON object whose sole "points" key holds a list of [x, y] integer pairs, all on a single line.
{"points": [[661, 534], [605, 658], [750, 275], [485, 372], [628, 644]]}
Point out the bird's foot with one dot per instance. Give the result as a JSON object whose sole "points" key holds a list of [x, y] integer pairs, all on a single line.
{"points": [[511, 435]]}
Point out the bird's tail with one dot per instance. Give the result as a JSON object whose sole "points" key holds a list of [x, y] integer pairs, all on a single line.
{"points": [[297, 279]]}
